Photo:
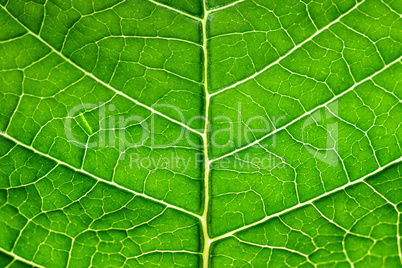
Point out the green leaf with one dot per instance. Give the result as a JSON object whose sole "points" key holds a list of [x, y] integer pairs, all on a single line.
{"points": [[215, 133]]}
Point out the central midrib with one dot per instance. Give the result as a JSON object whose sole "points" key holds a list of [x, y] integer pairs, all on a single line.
{"points": [[206, 166]]}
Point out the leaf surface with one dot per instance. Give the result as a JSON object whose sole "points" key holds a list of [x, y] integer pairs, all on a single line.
{"points": [[215, 133]]}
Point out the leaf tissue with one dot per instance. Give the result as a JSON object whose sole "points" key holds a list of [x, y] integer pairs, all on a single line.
{"points": [[201, 133]]}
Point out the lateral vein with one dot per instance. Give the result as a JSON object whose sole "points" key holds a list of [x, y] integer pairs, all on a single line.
{"points": [[98, 178], [15, 256], [308, 113], [231, 233], [175, 10], [287, 54], [100, 81]]}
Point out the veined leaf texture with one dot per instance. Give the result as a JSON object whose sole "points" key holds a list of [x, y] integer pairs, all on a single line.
{"points": [[190, 133]]}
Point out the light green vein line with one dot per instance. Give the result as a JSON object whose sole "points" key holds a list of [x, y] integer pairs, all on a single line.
{"points": [[205, 214], [20, 258], [231, 233], [152, 37], [273, 247], [309, 112], [226, 6], [98, 178], [175, 10], [288, 53], [100, 81]]}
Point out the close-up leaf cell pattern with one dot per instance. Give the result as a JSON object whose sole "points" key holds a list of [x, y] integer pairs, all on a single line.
{"points": [[312, 86]]}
